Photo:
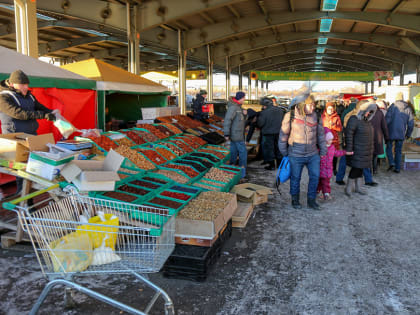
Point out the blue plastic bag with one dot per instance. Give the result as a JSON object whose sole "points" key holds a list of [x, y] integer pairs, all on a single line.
{"points": [[283, 172]]}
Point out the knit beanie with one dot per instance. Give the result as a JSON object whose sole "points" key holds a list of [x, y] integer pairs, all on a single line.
{"points": [[203, 92], [18, 77], [239, 95], [328, 134]]}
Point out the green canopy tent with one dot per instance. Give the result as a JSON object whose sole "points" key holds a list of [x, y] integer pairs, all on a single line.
{"points": [[121, 94]]}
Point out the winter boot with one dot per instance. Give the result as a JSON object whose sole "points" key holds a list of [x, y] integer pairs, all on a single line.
{"points": [[349, 187], [358, 186], [313, 205], [270, 166], [295, 202]]}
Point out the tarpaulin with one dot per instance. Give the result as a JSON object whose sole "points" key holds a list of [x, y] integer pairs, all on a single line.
{"points": [[78, 106], [358, 96]]}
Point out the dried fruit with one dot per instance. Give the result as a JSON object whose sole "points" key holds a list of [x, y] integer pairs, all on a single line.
{"points": [[168, 155], [144, 184], [139, 160], [134, 137], [165, 202], [120, 196], [175, 195], [189, 171], [174, 176], [124, 141], [104, 142], [134, 190], [152, 156]]}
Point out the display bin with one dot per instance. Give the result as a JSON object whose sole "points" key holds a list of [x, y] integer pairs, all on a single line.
{"points": [[176, 209], [216, 147], [209, 186], [223, 186], [127, 164], [190, 196], [149, 147], [213, 158], [179, 172], [114, 136], [202, 160], [148, 131], [161, 145], [194, 164], [195, 191]]}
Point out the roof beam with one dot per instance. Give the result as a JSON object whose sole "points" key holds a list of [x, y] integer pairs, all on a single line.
{"points": [[312, 62], [384, 55], [225, 30], [398, 6], [365, 7], [207, 17], [233, 11], [243, 45], [51, 47], [269, 62]]}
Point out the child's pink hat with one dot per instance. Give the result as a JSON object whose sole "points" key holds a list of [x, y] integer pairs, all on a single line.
{"points": [[328, 134]]}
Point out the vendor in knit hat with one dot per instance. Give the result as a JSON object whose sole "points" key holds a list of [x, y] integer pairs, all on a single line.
{"points": [[19, 109]]}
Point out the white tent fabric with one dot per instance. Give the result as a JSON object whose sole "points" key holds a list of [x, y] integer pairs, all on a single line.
{"points": [[12, 60], [126, 87]]}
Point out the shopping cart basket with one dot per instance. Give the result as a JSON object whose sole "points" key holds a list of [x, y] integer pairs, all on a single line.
{"points": [[143, 239]]}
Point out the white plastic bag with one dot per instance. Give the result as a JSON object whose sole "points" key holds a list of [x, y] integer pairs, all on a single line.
{"points": [[65, 128], [104, 255]]}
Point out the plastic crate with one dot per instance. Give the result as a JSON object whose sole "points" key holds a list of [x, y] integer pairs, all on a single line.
{"points": [[411, 166], [190, 262]]}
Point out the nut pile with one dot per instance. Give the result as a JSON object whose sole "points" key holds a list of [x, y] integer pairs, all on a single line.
{"points": [[120, 196], [172, 128], [104, 142], [207, 206], [153, 130], [147, 136], [182, 145], [219, 175], [165, 130], [201, 185], [139, 160], [189, 171], [134, 190], [168, 155], [152, 156], [134, 137], [124, 141], [174, 148], [174, 176]]}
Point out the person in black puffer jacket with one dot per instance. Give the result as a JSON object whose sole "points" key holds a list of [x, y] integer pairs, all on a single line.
{"points": [[269, 121], [359, 140]]}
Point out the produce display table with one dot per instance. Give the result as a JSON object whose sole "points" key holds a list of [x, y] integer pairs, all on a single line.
{"points": [[30, 181]]}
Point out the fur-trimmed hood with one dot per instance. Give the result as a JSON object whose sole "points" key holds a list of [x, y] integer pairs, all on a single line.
{"points": [[364, 108]]}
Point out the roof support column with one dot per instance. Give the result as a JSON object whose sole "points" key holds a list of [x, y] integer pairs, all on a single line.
{"points": [[249, 86], [210, 63], [380, 83], [372, 87], [182, 64], [133, 37], [227, 77], [402, 75], [256, 89], [26, 28], [366, 87], [262, 89], [266, 86], [418, 70], [389, 82], [240, 78]]}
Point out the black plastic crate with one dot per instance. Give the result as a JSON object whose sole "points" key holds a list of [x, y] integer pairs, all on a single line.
{"points": [[194, 262], [213, 138]]}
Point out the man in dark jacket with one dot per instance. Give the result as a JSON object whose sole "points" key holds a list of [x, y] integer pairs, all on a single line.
{"points": [[269, 121], [380, 129], [234, 130], [400, 121], [302, 138], [198, 103], [19, 109]]}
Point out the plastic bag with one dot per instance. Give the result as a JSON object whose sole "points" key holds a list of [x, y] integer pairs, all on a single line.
{"points": [[97, 232], [104, 255], [65, 128], [72, 253], [90, 133]]}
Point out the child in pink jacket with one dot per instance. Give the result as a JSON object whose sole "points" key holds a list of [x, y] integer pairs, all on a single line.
{"points": [[326, 169]]}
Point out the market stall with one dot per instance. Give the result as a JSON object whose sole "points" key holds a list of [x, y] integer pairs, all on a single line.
{"points": [[121, 94], [56, 88]]}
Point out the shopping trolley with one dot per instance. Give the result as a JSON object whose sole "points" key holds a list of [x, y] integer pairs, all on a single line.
{"points": [[143, 239]]}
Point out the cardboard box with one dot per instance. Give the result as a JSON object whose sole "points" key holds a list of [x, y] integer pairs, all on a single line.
{"points": [[205, 229], [242, 214], [46, 167], [251, 193], [16, 146], [91, 175]]}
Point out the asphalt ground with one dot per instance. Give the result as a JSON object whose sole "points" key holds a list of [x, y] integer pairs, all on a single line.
{"points": [[358, 255]]}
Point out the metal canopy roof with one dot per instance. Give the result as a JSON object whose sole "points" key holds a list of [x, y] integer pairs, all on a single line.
{"points": [[364, 35]]}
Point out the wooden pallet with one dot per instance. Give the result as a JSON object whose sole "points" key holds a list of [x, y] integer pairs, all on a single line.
{"points": [[10, 239], [242, 214]]}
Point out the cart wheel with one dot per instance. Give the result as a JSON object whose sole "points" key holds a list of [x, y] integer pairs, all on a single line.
{"points": [[69, 298]]}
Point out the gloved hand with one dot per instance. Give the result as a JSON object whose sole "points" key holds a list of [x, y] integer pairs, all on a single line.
{"points": [[50, 117]]}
